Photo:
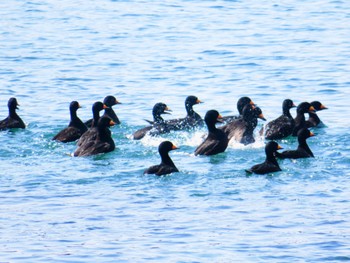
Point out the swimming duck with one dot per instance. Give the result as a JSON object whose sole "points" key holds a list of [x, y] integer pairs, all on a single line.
{"points": [[300, 122], [257, 115], [192, 120], [75, 128], [102, 143], [166, 165], [282, 126], [216, 141], [270, 164], [109, 101], [243, 101], [242, 129], [303, 150], [314, 120], [90, 134], [13, 120], [159, 126]]}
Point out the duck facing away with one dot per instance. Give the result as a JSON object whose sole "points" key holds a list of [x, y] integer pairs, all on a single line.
{"points": [[13, 120], [76, 127], [303, 150], [216, 140], [103, 142], [282, 126], [158, 125], [314, 120], [270, 164], [91, 133], [166, 165], [242, 129]]}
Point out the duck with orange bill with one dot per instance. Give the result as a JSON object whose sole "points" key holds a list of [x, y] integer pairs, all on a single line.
{"points": [[76, 128], [158, 126], [270, 165], [303, 150], [166, 165], [314, 120], [242, 129], [216, 140]]}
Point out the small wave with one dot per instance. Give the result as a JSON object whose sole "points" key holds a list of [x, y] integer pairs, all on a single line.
{"points": [[184, 138], [259, 143]]}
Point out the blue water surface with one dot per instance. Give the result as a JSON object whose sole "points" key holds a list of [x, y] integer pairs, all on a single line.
{"points": [[56, 208]]}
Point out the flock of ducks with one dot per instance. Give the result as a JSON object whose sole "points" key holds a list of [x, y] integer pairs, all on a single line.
{"points": [[94, 136]]}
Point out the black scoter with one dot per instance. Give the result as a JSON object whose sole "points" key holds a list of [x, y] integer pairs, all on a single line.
{"points": [[242, 129], [109, 101], [166, 165], [282, 126], [158, 126], [13, 120], [192, 119], [216, 140], [241, 103], [300, 122], [75, 128], [270, 164], [90, 134], [303, 150], [103, 142], [314, 120]]}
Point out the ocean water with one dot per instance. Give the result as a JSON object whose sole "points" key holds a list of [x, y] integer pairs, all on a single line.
{"points": [[56, 208]]}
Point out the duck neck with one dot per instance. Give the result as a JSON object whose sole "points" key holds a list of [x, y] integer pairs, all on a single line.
{"points": [[75, 121], [270, 157], [303, 145], [158, 119], [73, 115], [166, 159], [286, 112], [189, 110], [314, 117], [13, 113], [211, 127], [300, 118], [103, 133], [110, 112], [96, 117]]}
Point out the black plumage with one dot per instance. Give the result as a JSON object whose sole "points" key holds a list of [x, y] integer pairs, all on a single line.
{"points": [[192, 119], [270, 164], [314, 120], [158, 126], [258, 114], [300, 122], [303, 150], [242, 129], [166, 165], [216, 140], [109, 101], [102, 143], [282, 126], [12, 120], [241, 103], [90, 134], [76, 127]]}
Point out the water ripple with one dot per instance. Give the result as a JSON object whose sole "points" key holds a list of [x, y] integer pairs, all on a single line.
{"points": [[58, 208]]}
